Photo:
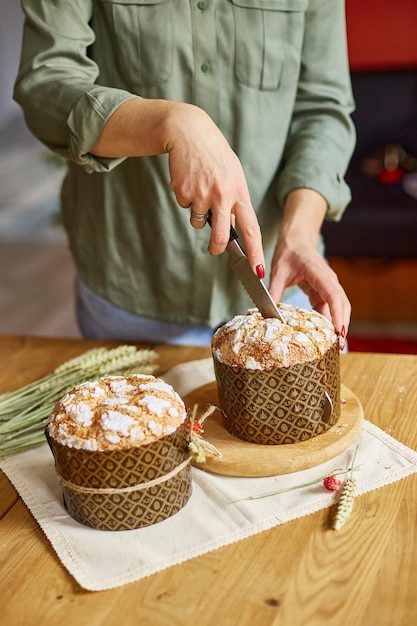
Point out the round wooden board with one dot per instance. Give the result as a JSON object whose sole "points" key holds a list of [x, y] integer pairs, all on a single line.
{"points": [[241, 458]]}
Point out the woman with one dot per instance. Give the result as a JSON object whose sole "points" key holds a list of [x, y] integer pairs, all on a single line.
{"points": [[237, 106]]}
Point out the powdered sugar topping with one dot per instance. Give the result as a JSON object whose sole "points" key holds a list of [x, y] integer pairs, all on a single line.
{"points": [[254, 342], [117, 412]]}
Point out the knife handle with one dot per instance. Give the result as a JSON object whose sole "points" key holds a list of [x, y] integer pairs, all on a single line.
{"points": [[233, 234]]}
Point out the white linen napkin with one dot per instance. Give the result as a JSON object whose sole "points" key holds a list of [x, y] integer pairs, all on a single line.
{"points": [[217, 510]]}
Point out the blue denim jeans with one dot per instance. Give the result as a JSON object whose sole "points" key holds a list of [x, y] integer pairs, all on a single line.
{"points": [[98, 319]]}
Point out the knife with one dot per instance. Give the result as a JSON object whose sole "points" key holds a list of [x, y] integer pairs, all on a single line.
{"points": [[255, 287]]}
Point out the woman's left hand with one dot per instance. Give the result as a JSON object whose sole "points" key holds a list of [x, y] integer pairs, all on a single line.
{"points": [[296, 260]]}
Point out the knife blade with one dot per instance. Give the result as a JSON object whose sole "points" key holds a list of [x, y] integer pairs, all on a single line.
{"points": [[255, 286]]}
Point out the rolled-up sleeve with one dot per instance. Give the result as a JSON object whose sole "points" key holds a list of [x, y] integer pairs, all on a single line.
{"points": [[86, 121], [322, 136], [55, 68]]}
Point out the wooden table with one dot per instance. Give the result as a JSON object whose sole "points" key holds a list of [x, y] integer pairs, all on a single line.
{"points": [[299, 573]]}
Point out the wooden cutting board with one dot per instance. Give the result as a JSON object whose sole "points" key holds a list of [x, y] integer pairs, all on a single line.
{"points": [[241, 458]]}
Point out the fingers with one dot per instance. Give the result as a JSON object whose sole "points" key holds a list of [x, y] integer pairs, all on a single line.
{"points": [[207, 175], [198, 220], [314, 276], [329, 298], [244, 216], [252, 238], [221, 219], [220, 222]]}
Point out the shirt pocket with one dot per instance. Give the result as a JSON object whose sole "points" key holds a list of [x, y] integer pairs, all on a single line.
{"points": [[143, 39], [269, 36]]}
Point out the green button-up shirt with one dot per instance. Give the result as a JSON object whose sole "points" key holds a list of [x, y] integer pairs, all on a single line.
{"points": [[273, 75]]}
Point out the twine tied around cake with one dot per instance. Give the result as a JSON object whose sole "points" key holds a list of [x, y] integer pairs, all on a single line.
{"points": [[198, 446], [120, 490]]}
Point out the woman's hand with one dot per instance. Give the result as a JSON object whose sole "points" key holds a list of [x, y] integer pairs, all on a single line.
{"points": [[205, 172], [296, 260], [207, 175]]}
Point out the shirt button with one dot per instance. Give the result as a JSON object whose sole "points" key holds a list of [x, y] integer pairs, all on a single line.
{"points": [[202, 5], [206, 67]]}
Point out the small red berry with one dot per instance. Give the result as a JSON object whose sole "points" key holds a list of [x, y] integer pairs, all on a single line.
{"points": [[197, 428], [332, 483]]}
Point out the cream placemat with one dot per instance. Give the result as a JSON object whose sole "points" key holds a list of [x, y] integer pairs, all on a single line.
{"points": [[216, 512]]}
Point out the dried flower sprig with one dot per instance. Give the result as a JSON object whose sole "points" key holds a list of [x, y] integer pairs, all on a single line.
{"points": [[198, 446], [347, 497], [345, 505], [24, 412], [331, 485], [300, 486]]}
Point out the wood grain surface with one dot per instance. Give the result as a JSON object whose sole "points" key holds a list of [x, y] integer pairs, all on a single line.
{"points": [[298, 574], [241, 458]]}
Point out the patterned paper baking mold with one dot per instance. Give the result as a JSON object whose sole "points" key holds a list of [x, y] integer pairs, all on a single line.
{"points": [[282, 405], [125, 489]]}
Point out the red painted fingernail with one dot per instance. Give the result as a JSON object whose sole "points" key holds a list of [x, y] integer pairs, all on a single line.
{"points": [[341, 345], [343, 332], [260, 271]]}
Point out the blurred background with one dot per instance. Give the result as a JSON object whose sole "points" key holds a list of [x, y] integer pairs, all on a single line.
{"points": [[36, 270], [373, 248]]}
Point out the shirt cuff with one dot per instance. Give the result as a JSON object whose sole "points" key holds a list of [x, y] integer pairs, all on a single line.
{"points": [[86, 122], [330, 185]]}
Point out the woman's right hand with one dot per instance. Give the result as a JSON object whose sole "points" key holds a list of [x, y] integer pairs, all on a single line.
{"points": [[205, 172], [207, 175]]}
